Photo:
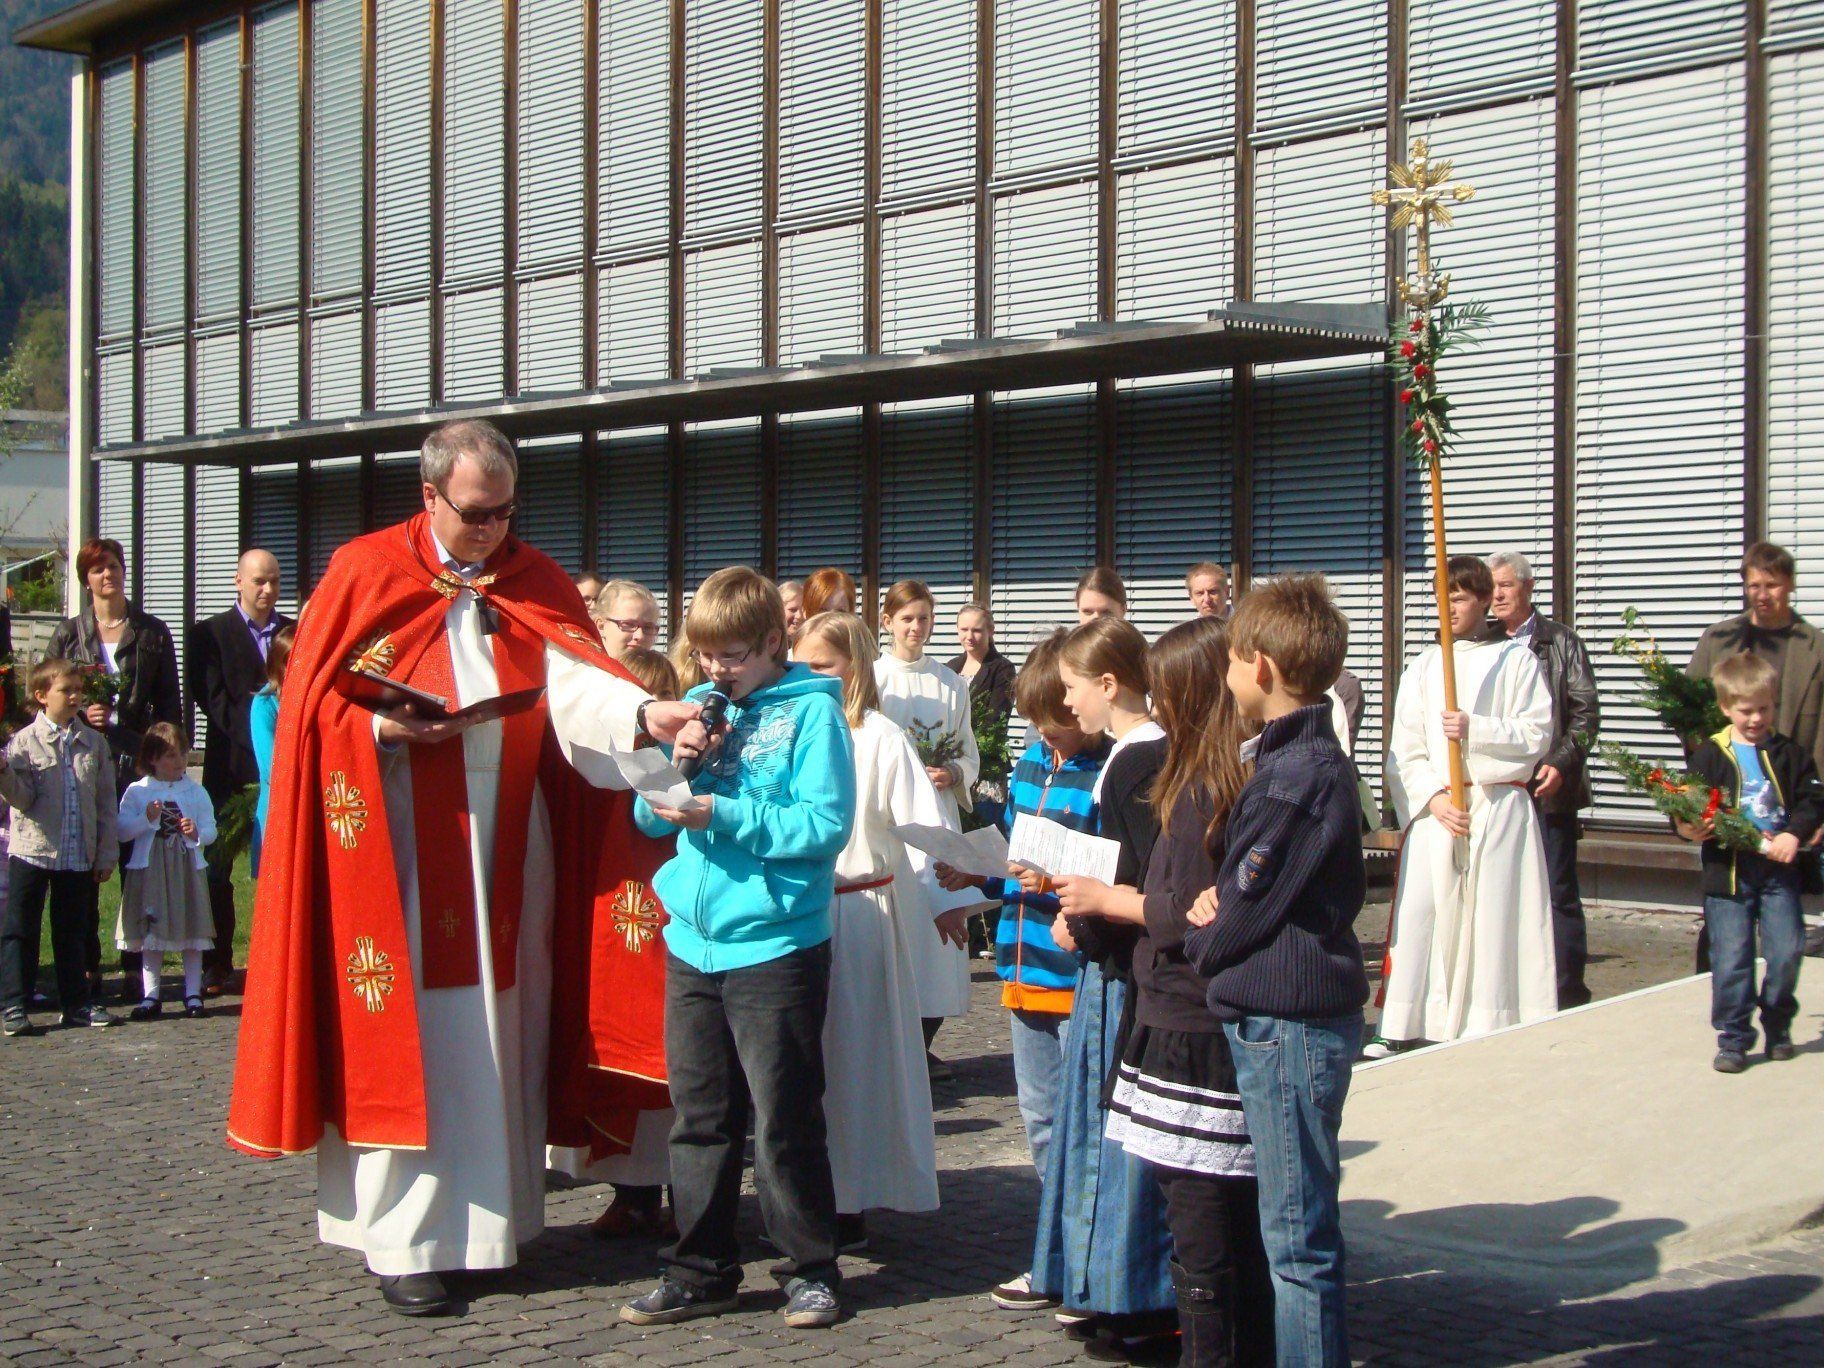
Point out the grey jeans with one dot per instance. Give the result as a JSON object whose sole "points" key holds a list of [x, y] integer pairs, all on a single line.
{"points": [[738, 1043]]}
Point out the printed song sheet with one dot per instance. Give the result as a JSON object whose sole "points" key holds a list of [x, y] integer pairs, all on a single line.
{"points": [[1056, 851]]}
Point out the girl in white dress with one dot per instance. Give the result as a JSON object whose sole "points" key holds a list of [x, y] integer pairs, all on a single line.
{"points": [[877, 1098], [164, 903], [930, 702]]}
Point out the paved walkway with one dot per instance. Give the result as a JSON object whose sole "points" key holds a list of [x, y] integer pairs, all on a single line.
{"points": [[128, 1232]]}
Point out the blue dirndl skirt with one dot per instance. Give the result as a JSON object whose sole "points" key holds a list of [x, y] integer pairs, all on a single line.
{"points": [[1103, 1243]]}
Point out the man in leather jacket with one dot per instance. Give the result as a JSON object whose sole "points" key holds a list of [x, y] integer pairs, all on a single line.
{"points": [[1561, 785]]}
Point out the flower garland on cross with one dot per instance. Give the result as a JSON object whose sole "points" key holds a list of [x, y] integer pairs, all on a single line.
{"points": [[1421, 188]]}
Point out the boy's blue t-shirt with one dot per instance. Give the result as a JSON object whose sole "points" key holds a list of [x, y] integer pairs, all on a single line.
{"points": [[1760, 799], [758, 883]]}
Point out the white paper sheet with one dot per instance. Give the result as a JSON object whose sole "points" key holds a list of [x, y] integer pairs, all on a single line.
{"points": [[1056, 851], [656, 779], [981, 854]]}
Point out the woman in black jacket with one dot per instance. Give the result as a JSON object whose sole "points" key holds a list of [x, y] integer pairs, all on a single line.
{"points": [[990, 675], [139, 651]]}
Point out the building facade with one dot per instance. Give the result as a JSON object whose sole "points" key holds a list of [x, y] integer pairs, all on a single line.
{"points": [[305, 227]]}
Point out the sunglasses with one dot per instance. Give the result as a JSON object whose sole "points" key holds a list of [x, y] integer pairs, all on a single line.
{"points": [[481, 517]]}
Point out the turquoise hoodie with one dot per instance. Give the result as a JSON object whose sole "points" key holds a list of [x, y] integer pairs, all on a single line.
{"points": [[758, 883]]}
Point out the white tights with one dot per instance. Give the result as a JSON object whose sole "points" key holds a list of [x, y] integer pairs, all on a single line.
{"points": [[154, 961]]}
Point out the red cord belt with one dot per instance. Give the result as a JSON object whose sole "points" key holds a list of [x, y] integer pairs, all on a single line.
{"points": [[863, 887]]}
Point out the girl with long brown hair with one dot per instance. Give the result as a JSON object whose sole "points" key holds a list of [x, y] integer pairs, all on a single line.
{"points": [[877, 1095], [1175, 1102]]}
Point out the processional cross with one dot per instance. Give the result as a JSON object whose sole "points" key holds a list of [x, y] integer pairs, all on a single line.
{"points": [[1422, 196]]}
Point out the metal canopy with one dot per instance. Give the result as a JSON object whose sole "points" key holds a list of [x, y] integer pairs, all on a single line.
{"points": [[77, 29], [1238, 334]]}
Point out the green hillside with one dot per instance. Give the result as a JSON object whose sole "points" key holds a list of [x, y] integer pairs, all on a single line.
{"points": [[34, 206]]}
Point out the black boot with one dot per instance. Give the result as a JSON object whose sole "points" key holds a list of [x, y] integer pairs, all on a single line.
{"points": [[1206, 1327]]}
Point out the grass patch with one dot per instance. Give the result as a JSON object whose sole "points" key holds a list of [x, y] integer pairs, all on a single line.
{"points": [[110, 917]]}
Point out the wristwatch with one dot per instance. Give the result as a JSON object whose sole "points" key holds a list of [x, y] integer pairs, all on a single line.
{"points": [[639, 718]]}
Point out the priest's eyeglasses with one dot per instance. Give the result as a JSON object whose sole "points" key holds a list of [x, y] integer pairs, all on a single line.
{"points": [[481, 517]]}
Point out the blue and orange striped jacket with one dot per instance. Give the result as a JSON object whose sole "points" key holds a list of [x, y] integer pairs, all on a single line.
{"points": [[1036, 975]]}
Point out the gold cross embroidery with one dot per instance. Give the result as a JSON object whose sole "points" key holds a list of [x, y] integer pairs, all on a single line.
{"points": [[370, 973], [345, 808], [636, 917], [375, 656]]}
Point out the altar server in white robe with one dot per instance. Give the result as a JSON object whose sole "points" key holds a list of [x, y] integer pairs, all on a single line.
{"points": [[1471, 944], [877, 1096], [930, 702], [434, 1160]]}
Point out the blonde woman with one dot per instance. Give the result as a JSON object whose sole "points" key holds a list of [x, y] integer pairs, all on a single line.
{"points": [[877, 1097]]}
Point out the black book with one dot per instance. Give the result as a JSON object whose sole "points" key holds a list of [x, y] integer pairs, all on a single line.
{"points": [[377, 693]]}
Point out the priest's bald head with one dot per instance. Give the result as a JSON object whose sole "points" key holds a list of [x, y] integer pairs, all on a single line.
{"points": [[469, 472]]}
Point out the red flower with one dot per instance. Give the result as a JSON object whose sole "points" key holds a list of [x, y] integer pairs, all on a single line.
{"points": [[1418, 425], [1658, 776], [1406, 396], [1408, 350], [1421, 371], [1418, 325], [1431, 447], [1716, 801]]}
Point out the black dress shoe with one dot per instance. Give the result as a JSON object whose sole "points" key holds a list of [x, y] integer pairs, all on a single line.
{"points": [[415, 1294]]}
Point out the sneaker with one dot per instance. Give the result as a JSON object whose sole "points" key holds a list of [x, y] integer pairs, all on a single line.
{"points": [[671, 1302], [1729, 1061], [810, 1305], [1379, 1047], [94, 1015], [1071, 1317], [851, 1234], [39, 1002], [14, 1022], [1779, 1051], [1016, 1294]]}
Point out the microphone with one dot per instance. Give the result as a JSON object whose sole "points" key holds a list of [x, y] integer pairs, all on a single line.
{"points": [[715, 712]]}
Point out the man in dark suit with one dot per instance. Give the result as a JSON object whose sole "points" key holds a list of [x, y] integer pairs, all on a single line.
{"points": [[225, 660]]}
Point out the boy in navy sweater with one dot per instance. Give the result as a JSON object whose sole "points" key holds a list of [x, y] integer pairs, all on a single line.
{"points": [[1275, 938]]}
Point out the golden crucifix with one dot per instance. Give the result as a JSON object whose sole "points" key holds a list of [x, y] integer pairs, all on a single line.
{"points": [[1421, 197], [1419, 202]]}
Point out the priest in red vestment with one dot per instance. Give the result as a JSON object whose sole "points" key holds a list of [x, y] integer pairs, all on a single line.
{"points": [[425, 1004]]}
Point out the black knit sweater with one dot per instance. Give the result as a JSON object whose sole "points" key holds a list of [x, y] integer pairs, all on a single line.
{"points": [[1290, 882]]}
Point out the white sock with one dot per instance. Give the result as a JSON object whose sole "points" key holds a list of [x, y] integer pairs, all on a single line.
{"points": [[193, 973], [148, 974]]}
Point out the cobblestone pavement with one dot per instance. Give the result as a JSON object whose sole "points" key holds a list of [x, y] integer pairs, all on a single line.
{"points": [[128, 1232]]}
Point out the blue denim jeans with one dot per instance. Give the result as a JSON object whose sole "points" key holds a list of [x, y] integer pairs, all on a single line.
{"points": [[1038, 1067], [1293, 1077], [1767, 899]]}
